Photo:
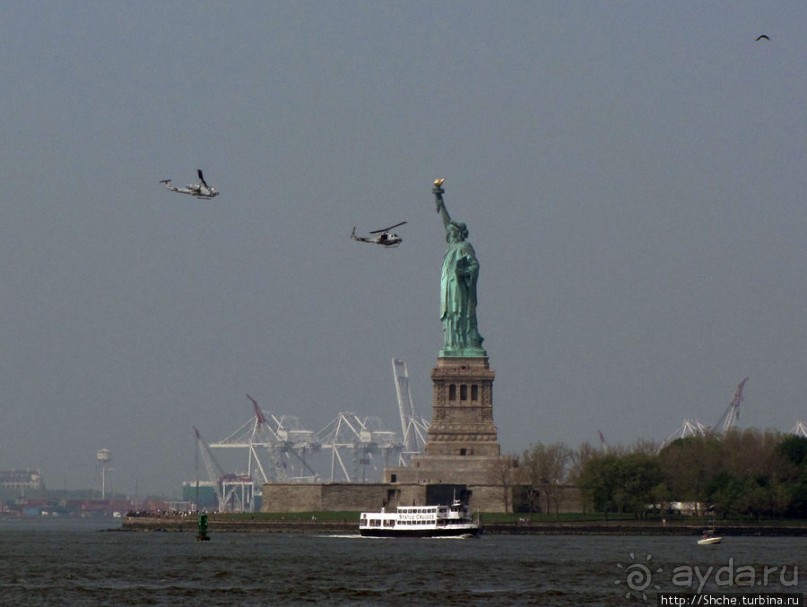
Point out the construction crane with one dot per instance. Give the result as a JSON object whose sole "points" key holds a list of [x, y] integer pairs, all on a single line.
{"points": [[294, 446], [376, 442], [603, 444], [690, 427], [414, 428], [214, 470], [800, 429], [276, 446], [234, 492], [732, 413], [252, 436], [349, 437]]}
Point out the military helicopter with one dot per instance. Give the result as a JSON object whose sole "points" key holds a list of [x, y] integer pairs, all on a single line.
{"points": [[198, 190], [383, 237]]}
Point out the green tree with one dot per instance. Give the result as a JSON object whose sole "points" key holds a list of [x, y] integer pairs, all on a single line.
{"points": [[690, 465], [547, 468], [622, 483], [725, 493], [640, 475], [596, 480], [794, 449], [578, 459]]}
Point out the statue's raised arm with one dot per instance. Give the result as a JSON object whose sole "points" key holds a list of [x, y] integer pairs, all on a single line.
{"points": [[457, 287], [438, 192]]}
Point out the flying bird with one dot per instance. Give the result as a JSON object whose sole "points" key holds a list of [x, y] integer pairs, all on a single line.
{"points": [[762, 37]]}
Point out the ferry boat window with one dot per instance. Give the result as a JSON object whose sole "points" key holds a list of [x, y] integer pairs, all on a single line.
{"points": [[463, 392]]}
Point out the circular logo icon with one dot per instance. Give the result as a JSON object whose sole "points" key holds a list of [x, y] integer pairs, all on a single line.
{"points": [[638, 577]]}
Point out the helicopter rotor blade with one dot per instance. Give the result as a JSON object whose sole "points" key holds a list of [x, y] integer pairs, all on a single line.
{"points": [[389, 228]]}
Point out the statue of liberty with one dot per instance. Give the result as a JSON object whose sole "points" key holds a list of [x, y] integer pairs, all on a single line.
{"points": [[458, 287]]}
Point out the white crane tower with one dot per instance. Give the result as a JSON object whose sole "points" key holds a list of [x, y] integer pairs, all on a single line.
{"points": [[414, 428], [800, 429], [276, 447], [349, 437], [234, 492], [690, 427]]}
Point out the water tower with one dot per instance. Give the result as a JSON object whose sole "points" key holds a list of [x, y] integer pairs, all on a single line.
{"points": [[104, 457]]}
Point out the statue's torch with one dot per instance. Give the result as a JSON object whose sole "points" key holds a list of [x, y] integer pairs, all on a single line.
{"points": [[437, 190]]}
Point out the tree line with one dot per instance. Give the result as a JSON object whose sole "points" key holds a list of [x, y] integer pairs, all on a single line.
{"points": [[744, 473]]}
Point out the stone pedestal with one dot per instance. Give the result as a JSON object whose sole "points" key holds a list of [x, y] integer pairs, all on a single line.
{"points": [[462, 418], [462, 446]]}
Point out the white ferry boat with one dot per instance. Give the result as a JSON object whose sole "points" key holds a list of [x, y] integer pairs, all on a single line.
{"points": [[421, 521]]}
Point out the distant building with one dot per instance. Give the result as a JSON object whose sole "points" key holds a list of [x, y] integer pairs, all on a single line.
{"points": [[20, 479], [201, 493]]}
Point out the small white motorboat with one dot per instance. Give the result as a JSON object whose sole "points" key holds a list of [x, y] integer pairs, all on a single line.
{"points": [[709, 538]]}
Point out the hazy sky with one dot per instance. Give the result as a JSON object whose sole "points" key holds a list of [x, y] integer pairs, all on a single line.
{"points": [[632, 175]]}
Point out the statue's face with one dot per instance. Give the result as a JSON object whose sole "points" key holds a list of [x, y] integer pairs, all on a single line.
{"points": [[456, 232]]}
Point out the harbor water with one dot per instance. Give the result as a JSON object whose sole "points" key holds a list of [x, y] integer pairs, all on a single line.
{"points": [[74, 562]]}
